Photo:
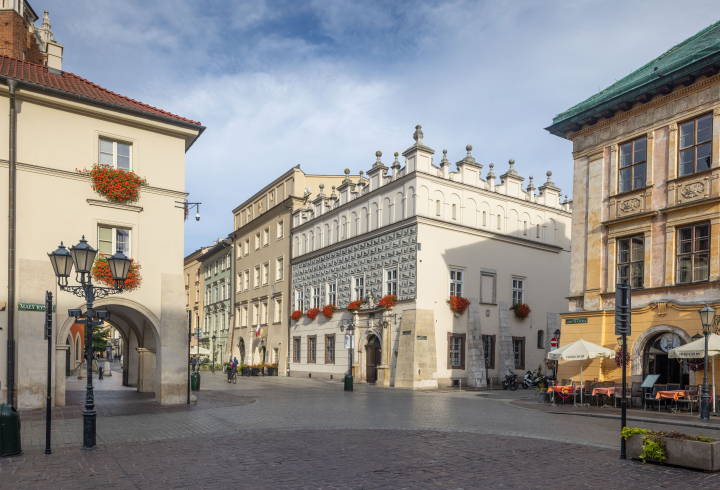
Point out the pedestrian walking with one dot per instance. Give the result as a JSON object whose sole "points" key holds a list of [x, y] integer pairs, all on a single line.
{"points": [[193, 362]]}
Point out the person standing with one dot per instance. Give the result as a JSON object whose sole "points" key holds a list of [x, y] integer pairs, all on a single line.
{"points": [[193, 362]]}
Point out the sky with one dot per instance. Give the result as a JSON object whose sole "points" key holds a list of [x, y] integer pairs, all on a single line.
{"points": [[325, 84]]}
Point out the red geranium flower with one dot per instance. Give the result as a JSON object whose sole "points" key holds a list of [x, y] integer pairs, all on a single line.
{"points": [[115, 185]]}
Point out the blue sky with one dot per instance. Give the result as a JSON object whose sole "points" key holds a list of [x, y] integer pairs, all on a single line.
{"points": [[325, 84]]}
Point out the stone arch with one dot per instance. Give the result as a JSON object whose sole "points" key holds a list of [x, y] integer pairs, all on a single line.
{"points": [[343, 228], [636, 361], [438, 205], [362, 342], [363, 220], [423, 201], [374, 217], [354, 226], [398, 207], [469, 215], [387, 212]]}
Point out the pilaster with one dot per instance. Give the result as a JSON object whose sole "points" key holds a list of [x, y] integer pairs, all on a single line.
{"points": [[672, 151]]}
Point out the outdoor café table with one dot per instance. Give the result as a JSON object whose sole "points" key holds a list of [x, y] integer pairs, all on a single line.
{"points": [[674, 394], [561, 389]]}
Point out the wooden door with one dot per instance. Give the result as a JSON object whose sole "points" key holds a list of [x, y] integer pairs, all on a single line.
{"points": [[373, 359]]}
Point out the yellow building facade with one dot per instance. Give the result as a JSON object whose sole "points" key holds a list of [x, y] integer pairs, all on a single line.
{"points": [[646, 210]]}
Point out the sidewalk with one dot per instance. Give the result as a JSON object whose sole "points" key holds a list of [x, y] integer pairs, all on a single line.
{"points": [[681, 419]]}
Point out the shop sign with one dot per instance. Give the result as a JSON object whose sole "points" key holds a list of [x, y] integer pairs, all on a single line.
{"points": [[32, 307], [570, 321], [422, 337]]}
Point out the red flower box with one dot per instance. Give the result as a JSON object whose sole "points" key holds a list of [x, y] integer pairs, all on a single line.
{"points": [[388, 301], [295, 315], [312, 313], [458, 304], [101, 272], [355, 305], [522, 311], [115, 185], [328, 311]]}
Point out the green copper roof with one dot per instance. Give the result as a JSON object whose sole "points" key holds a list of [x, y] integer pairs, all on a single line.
{"points": [[690, 55]]}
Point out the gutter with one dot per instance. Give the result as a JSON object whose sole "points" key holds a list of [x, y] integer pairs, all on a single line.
{"points": [[109, 105], [12, 220]]}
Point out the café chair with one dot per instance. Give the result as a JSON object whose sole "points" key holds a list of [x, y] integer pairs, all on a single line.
{"points": [[692, 395], [673, 387], [618, 393], [650, 397], [636, 391]]}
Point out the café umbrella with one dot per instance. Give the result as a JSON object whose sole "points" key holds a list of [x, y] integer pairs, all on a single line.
{"points": [[696, 350], [579, 351]]}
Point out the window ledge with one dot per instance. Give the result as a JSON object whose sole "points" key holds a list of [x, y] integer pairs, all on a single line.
{"points": [[693, 175], [622, 194], [114, 205]]}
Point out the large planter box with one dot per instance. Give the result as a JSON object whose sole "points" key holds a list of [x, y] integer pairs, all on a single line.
{"points": [[690, 454]]}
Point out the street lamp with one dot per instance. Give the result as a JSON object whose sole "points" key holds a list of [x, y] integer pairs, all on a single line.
{"points": [[557, 336], [213, 351], [707, 315], [82, 256]]}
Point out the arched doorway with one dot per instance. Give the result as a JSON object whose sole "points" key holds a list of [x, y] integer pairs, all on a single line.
{"points": [[656, 360], [372, 358]]}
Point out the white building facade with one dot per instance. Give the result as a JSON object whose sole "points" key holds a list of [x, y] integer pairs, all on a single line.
{"points": [[423, 233]]}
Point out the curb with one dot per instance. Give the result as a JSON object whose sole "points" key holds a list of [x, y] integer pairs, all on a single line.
{"points": [[679, 423]]}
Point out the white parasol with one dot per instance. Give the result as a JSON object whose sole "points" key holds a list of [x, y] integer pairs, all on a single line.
{"points": [[579, 351], [696, 350]]}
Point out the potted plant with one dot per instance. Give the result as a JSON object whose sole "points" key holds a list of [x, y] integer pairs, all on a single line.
{"points": [[458, 304], [312, 313], [541, 388], [295, 315], [388, 301], [355, 305], [116, 185], [673, 448], [522, 311], [328, 311]]}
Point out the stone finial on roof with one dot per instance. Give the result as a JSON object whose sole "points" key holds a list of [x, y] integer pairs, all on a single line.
{"points": [[418, 135], [469, 159], [531, 186], [378, 163], [347, 180], [396, 164], [511, 173], [549, 184], [444, 160], [321, 194], [512, 167], [361, 181], [333, 196], [491, 174]]}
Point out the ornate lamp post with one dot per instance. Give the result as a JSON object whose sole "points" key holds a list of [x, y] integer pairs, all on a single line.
{"points": [[213, 353], [707, 315], [82, 256]]}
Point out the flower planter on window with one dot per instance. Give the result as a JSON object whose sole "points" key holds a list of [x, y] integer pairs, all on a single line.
{"points": [[522, 311], [388, 301], [296, 315], [312, 313], [328, 311], [116, 185], [458, 304], [101, 272], [355, 305]]}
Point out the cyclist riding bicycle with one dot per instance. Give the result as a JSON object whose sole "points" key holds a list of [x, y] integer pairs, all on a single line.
{"points": [[230, 370]]}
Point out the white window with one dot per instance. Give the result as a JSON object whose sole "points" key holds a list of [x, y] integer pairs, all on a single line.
{"points": [[206, 327], [222, 264], [280, 229], [332, 293], [316, 297], [223, 291], [280, 269], [456, 282], [115, 154], [484, 218], [455, 351], [256, 283], [437, 208], [266, 273], [111, 239], [247, 246], [454, 211], [247, 280], [277, 314], [244, 316], [216, 267], [257, 241], [391, 281], [215, 294], [299, 299], [358, 288], [518, 291], [266, 237], [239, 281], [264, 312], [222, 318]]}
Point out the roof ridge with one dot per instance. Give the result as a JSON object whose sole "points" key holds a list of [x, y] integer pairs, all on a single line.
{"points": [[39, 74]]}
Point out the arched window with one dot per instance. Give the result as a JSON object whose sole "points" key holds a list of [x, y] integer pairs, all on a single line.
{"points": [[541, 339]]}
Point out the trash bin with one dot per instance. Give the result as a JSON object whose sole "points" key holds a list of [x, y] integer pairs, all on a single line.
{"points": [[9, 431], [195, 381], [348, 382]]}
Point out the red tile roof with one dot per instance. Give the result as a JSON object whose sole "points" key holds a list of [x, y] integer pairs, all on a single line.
{"points": [[73, 84]]}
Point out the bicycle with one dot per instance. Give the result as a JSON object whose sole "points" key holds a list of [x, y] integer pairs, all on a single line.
{"points": [[232, 376]]}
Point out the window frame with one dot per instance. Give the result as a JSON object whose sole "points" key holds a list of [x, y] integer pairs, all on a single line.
{"points": [[279, 268], [450, 337], [630, 262], [522, 353], [246, 284], [266, 237], [693, 253], [265, 273], [489, 364], [541, 339], [390, 285], [316, 296], [299, 299], [632, 166], [331, 296], [277, 310], [297, 349], [694, 147], [493, 274], [330, 352], [355, 287], [312, 349], [115, 155], [518, 291], [114, 233], [280, 229], [454, 282]]}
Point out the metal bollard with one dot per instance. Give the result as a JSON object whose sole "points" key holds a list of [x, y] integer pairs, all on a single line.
{"points": [[460, 385]]}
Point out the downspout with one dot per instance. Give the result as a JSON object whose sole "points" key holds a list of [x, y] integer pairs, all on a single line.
{"points": [[12, 84]]}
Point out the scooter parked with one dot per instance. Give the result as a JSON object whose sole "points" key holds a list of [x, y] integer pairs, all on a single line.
{"points": [[531, 379]]}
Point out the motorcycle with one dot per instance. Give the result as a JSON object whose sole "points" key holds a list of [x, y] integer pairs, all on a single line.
{"points": [[531, 379], [510, 381]]}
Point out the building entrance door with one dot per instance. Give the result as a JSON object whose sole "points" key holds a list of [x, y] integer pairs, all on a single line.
{"points": [[372, 355], [672, 371]]}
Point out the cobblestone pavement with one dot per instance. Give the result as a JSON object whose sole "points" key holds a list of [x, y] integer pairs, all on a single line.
{"points": [[275, 432]]}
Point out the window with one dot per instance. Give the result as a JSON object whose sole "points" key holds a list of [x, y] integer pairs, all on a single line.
{"points": [[541, 340], [244, 316], [266, 237], [631, 261], [484, 218], [239, 281], [222, 264], [264, 312], [247, 246], [519, 352], [454, 211], [330, 349], [456, 282], [299, 299], [525, 228], [222, 326], [111, 239], [114, 154], [358, 288], [456, 351], [279, 269], [633, 156], [437, 208], [215, 270], [695, 147], [391, 281], [316, 298], [257, 241], [277, 314], [489, 351], [296, 349], [488, 290], [312, 344], [207, 323], [693, 253], [537, 231], [332, 293], [256, 283], [266, 273], [280, 229], [247, 279], [499, 222], [518, 291], [223, 291]]}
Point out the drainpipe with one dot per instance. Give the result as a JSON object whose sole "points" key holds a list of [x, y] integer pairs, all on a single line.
{"points": [[12, 84]]}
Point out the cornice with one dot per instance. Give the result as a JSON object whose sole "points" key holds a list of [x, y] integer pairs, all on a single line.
{"points": [[690, 204], [624, 219], [663, 99], [114, 205]]}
